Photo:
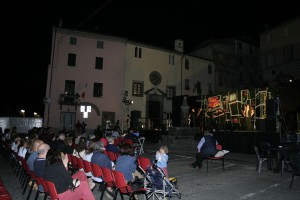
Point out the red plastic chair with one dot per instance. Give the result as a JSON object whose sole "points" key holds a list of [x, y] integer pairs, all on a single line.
{"points": [[112, 156], [40, 181], [74, 166], [108, 179], [123, 188], [79, 162], [97, 172], [219, 148], [143, 163], [128, 141], [87, 166], [4, 194], [117, 141], [51, 190]]}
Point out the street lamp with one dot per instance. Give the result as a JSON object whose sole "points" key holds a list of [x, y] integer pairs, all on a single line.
{"points": [[22, 113]]}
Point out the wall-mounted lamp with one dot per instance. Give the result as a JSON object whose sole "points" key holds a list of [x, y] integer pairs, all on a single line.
{"points": [[127, 102]]}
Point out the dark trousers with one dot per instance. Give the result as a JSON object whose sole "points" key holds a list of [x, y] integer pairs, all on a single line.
{"points": [[199, 158]]}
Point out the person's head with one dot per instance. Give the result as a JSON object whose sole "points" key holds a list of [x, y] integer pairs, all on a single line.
{"points": [[125, 149], [164, 149], [24, 142], [17, 140], [207, 132], [80, 146], [99, 146], [110, 140], [42, 150], [91, 146], [61, 136], [68, 141], [54, 156], [36, 143]]}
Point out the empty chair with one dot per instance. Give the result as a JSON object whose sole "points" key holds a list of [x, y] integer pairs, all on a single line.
{"points": [[261, 158]]}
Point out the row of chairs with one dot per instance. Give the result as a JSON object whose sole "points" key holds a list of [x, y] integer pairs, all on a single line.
{"points": [[111, 178], [24, 175]]}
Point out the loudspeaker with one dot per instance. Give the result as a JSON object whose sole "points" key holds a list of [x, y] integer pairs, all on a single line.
{"points": [[266, 125], [270, 109], [134, 122]]}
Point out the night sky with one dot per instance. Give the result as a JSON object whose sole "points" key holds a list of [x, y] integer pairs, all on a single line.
{"points": [[27, 33]]}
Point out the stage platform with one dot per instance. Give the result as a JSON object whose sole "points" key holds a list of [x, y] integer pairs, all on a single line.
{"points": [[234, 141]]}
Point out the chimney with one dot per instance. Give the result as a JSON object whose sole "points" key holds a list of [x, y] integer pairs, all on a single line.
{"points": [[179, 45]]}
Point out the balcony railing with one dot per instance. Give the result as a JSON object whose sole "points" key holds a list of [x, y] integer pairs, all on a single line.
{"points": [[70, 100]]}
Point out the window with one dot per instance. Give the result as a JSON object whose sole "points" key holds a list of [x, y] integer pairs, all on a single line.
{"points": [[288, 54], [73, 40], [137, 88], [187, 64], [98, 90], [187, 84], [69, 87], [138, 52], [171, 92], [100, 44], [210, 88], [99, 63], [198, 87], [270, 59], [241, 61], [71, 59], [209, 69], [171, 59], [69, 92]]}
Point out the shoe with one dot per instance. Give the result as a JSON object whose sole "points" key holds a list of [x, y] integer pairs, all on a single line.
{"points": [[194, 165], [109, 194], [76, 183], [92, 185], [225, 152]]}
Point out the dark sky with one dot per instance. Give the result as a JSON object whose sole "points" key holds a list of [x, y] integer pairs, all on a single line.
{"points": [[27, 33]]}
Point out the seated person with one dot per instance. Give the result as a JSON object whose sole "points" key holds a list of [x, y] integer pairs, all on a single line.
{"points": [[110, 146], [206, 148], [127, 165], [66, 185]]}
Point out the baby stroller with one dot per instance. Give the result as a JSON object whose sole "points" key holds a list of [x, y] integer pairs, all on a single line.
{"points": [[159, 186]]}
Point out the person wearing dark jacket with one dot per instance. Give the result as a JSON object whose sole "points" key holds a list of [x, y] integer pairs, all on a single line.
{"points": [[206, 148], [67, 186]]}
